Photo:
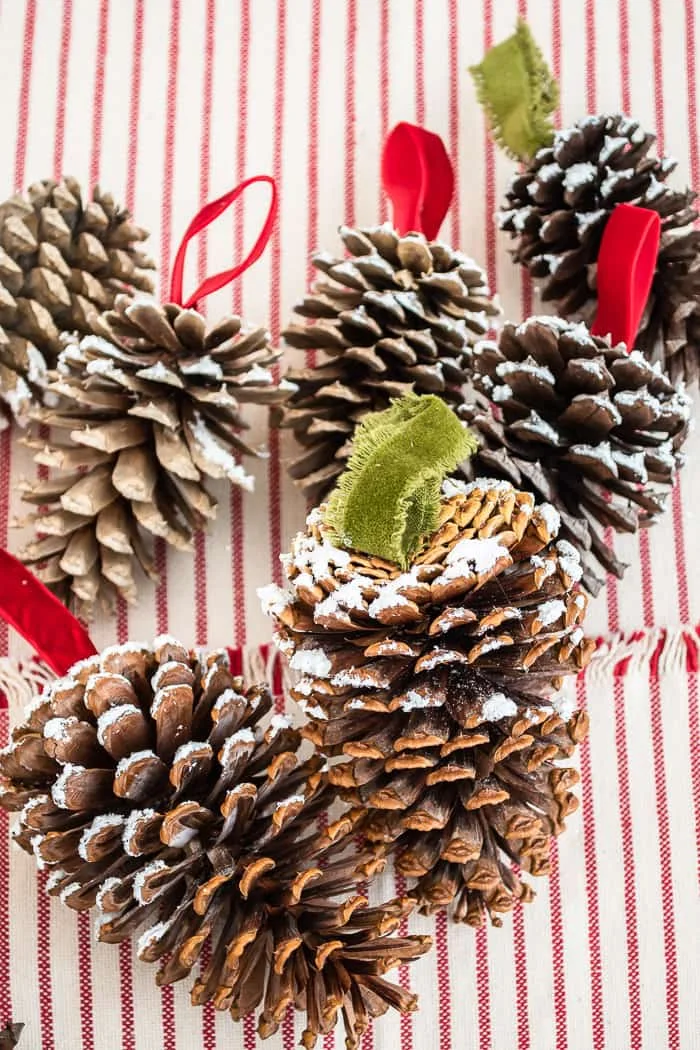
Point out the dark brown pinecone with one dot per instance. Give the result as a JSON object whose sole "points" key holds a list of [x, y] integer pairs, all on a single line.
{"points": [[143, 420], [63, 260], [148, 786], [556, 210], [395, 317], [584, 425], [439, 688]]}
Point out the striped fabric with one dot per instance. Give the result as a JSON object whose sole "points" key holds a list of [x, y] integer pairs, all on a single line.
{"points": [[170, 103]]}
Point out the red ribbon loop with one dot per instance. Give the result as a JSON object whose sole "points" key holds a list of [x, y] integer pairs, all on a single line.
{"points": [[37, 614], [418, 179], [626, 266], [204, 217]]}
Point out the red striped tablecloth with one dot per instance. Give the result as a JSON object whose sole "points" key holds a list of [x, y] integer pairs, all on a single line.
{"points": [[169, 103]]}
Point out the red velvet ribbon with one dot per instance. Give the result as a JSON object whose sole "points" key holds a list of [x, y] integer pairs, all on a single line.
{"points": [[204, 218], [418, 179], [37, 614], [626, 266]]}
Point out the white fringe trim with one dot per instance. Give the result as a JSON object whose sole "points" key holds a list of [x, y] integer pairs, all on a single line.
{"points": [[21, 681], [656, 650]]}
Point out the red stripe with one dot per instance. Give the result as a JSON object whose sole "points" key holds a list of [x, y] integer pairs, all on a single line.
{"points": [[99, 91], [236, 499], [521, 982], [312, 160], [134, 105], [350, 111], [453, 106], [694, 736], [420, 62], [6, 983], [591, 101], [692, 93], [595, 966], [384, 89], [558, 959], [87, 1027], [483, 988], [404, 972], [442, 962], [64, 53], [43, 933], [628, 864], [623, 18]]}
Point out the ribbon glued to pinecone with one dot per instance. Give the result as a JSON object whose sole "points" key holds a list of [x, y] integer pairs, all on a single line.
{"points": [[431, 672], [584, 425], [63, 260], [146, 412], [566, 208], [395, 316]]}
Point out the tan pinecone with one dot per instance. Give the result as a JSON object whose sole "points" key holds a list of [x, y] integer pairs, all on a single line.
{"points": [[10, 1036], [556, 210], [144, 418], [439, 689], [584, 425], [149, 787], [395, 317], [63, 260]]}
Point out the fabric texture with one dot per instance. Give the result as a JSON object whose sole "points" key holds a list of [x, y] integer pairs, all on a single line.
{"points": [[169, 104]]}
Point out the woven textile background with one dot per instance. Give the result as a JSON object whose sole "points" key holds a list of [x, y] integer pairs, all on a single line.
{"points": [[169, 103]]}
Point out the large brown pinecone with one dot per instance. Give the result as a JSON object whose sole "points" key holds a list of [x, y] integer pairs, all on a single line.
{"points": [[63, 260], [152, 413], [584, 425], [395, 317], [148, 786], [439, 687], [556, 209]]}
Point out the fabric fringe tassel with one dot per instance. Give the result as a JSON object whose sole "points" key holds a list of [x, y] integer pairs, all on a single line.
{"points": [[655, 651], [21, 680]]}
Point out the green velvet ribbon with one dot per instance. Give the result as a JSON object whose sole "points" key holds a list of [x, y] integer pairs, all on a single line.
{"points": [[518, 93], [388, 500]]}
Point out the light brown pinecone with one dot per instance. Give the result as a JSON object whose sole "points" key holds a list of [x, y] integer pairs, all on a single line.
{"points": [[148, 785], [143, 419], [63, 260], [395, 317], [584, 425], [556, 210], [439, 688]]}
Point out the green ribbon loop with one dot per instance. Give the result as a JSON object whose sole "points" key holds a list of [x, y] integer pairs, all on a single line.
{"points": [[388, 500], [519, 94]]}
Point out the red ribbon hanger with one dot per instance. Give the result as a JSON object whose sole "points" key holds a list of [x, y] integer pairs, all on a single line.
{"points": [[204, 217], [37, 614], [418, 179], [626, 266]]}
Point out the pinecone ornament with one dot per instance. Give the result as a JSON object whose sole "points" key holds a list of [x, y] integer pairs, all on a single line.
{"points": [[143, 419], [439, 689], [584, 425], [556, 210], [395, 317], [149, 787], [63, 260]]}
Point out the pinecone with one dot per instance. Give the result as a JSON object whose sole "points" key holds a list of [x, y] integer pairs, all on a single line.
{"points": [[148, 787], [63, 261], [556, 209], [148, 415], [582, 424], [10, 1036], [438, 686], [396, 317]]}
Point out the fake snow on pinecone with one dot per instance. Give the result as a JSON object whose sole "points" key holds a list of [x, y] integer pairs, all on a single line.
{"points": [[586, 426], [150, 785], [437, 691], [63, 260], [144, 419], [556, 210], [395, 317]]}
